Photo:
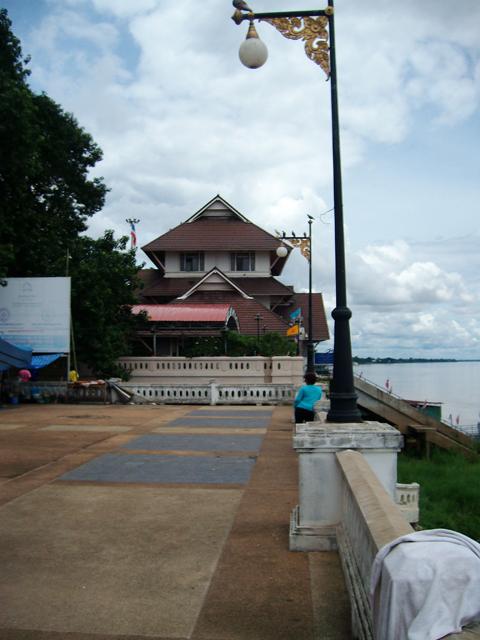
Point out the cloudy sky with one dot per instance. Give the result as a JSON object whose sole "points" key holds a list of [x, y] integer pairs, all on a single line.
{"points": [[159, 86]]}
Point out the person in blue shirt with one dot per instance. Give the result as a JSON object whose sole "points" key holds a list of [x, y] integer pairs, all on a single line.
{"points": [[306, 398]]}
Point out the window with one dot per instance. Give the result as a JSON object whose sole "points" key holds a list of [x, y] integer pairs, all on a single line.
{"points": [[242, 261], [192, 261]]}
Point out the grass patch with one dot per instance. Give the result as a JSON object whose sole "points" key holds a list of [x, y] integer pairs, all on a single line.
{"points": [[449, 490]]}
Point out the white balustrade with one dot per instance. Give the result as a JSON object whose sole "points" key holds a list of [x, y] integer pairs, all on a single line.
{"points": [[241, 370], [212, 393]]}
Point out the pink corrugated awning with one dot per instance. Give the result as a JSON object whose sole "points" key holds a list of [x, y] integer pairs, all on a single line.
{"points": [[186, 312]]}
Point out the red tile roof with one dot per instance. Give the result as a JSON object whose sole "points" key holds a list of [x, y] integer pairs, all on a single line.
{"points": [[262, 286], [207, 234], [148, 276], [246, 311], [163, 287], [184, 312]]}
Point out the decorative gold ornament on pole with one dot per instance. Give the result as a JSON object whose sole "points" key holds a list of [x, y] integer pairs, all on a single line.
{"points": [[313, 31], [303, 244]]}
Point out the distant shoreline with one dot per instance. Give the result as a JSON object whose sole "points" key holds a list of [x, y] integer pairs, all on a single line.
{"points": [[359, 360]]}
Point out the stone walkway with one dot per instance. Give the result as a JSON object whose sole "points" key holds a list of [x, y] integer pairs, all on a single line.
{"points": [[166, 522]]}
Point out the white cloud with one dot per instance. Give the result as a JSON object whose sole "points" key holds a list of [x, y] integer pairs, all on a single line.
{"points": [[389, 275], [403, 307], [160, 88], [125, 8]]}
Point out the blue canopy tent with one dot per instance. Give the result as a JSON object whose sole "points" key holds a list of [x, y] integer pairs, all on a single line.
{"points": [[38, 362], [12, 356]]}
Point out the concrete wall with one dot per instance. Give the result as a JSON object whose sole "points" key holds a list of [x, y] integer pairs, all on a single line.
{"points": [[370, 520]]}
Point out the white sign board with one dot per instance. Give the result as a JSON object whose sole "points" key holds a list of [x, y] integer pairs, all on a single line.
{"points": [[35, 314]]}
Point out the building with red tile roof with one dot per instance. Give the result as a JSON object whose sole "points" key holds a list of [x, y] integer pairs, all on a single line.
{"points": [[219, 258]]}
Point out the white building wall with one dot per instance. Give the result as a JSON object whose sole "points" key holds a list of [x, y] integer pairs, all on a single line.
{"points": [[219, 259], [172, 263]]}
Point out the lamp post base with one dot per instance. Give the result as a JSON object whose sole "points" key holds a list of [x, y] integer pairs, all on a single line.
{"points": [[343, 408]]}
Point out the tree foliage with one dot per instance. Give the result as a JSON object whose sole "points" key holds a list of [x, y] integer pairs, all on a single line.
{"points": [[46, 193], [104, 280], [46, 198], [237, 345]]}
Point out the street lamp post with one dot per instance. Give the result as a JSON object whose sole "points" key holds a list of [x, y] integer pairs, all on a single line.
{"points": [[258, 319], [310, 344], [311, 27], [305, 245]]}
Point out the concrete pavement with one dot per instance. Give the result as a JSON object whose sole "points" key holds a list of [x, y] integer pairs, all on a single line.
{"points": [[167, 522]]}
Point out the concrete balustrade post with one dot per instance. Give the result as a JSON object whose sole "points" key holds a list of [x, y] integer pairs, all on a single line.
{"points": [[314, 520]]}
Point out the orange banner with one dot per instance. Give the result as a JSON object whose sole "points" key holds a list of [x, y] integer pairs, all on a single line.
{"points": [[293, 331]]}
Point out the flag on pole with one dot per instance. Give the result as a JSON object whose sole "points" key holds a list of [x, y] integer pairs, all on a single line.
{"points": [[133, 234], [295, 314], [293, 331]]}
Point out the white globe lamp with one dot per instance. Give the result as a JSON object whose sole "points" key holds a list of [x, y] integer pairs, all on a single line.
{"points": [[282, 251], [253, 53]]}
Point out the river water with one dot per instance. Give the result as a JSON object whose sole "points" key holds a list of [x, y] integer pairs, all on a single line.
{"points": [[455, 384]]}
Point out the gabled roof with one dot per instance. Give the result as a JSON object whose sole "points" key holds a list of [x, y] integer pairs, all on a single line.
{"points": [[156, 285], [218, 204], [215, 227], [214, 235], [208, 276]]}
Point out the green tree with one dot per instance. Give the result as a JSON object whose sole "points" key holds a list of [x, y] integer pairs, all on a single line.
{"points": [[46, 197], [235, 344], [274, 344], [46, 192], [104, 281]]}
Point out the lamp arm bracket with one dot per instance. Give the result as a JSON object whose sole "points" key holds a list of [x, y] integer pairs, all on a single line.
{"points": [[313, 31]]}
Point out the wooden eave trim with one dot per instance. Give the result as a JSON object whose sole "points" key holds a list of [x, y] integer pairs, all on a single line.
{"points": [[218, 197], [188, 293]]}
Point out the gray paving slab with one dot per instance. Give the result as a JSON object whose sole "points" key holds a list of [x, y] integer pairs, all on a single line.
{"points": [[240, 413], [78, 561], [10, 427], [200, 442], [199, 421], [86, 427], [164, 469]]}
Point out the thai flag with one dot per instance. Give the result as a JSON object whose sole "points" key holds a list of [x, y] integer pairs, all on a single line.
{"points": [[133, 235]]}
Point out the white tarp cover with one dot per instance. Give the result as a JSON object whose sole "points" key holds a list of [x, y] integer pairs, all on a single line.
{"points": [[35, 314], [425, 585]]}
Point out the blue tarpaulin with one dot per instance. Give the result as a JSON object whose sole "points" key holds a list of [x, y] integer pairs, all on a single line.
{"points": [[13, 356], [324, 358], [38, 362]]}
